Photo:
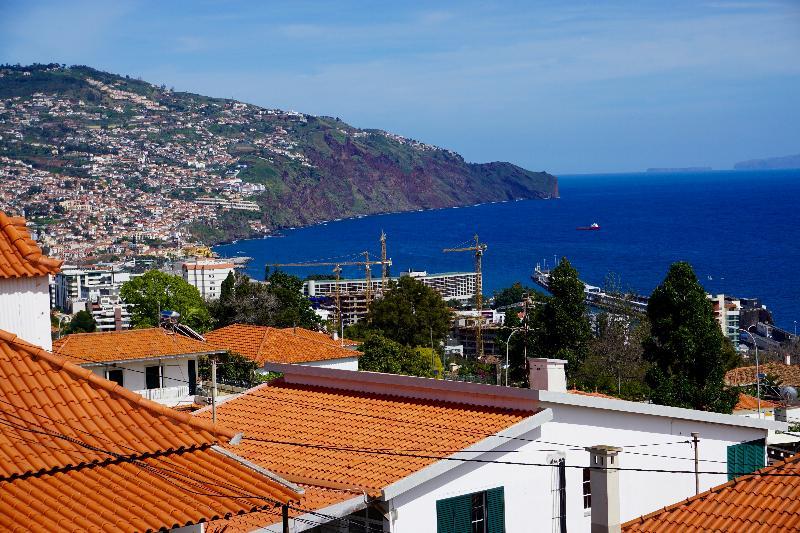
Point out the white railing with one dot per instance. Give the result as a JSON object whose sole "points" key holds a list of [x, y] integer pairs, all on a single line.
{"points": [[165, 393]]}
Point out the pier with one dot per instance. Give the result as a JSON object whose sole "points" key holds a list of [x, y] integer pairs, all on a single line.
{"points": [[597, 297]]}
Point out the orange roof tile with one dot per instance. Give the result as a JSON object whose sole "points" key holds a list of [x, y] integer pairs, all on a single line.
{"points": [[746, 375], [208, 266], [80, 452], [20, 256], [278, 413], [594, 394], [750, 403], [326, 438], [753, 503], [108, 346], [278, 345]]}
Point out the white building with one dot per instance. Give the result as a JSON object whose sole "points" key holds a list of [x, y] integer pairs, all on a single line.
{"points": [[413, 455], [726, 313], [73, 285], [160, 365], [109, 312], [207, 275], [24, 283]]}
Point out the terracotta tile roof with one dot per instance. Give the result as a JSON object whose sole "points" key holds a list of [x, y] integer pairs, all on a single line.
{"points": [[304, 414], [79, 452], [314, 498], [107, 346], [208, 266], [750, 403], [753, 503], [275, 345], [745, 375], [594, 394], [20, 256]]}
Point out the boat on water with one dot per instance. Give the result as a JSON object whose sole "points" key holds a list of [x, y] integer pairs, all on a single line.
{"points": [[593, 227]]}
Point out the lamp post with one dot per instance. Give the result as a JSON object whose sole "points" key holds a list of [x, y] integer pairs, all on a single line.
{"points": [[508, 341], [758, 373]]}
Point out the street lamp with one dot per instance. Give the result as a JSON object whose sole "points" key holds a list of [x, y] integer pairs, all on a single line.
{"points": [[758, 374], [508, 341]]}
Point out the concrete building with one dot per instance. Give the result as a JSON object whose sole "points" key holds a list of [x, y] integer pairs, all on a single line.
{"points": [[451, 285], [109, 312], [413, 455], [160, 365], [73, 285], [207, 275], [24, 283], [726, 312]]}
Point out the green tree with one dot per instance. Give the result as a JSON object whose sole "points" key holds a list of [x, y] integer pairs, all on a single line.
{"points": [[514, 294], [82, 322], [410, 313], [244, 302], [293, 308], [157, 291], [385, 355], [562, 323], [686, 346]]}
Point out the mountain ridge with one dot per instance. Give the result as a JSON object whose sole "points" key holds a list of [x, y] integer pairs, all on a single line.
{"points": [[95, 127], [770, 163]]}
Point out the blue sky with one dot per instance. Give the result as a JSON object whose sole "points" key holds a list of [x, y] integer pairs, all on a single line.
{"points": [[569, 87]]}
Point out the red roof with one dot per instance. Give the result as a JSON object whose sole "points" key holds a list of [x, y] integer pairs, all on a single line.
{"points": [[279, 345], [765, 501], [20, 256], [78, 452]]}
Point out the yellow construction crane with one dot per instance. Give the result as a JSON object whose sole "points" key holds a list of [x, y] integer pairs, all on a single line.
{"points": [[385, 269], [337, 270], [478, 248]]}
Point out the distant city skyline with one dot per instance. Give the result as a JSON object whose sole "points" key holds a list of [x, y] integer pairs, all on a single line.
{"points": [[568, 88]]}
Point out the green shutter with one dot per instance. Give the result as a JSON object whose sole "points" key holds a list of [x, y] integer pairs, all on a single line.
{"points": [[454, 515], [495, 511], [745, 458]]}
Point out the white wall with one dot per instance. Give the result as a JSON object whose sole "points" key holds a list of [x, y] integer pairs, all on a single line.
{"points": [[528, 496], [346, 363], [25, 309], [133, 375]]}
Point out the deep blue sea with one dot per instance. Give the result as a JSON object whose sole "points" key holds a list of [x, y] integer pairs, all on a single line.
{"points": [[740, 230]]}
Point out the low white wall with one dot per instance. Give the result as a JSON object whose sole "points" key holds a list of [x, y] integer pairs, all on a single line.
{"points": [[346, 363], [25, 309], [528, 495]]}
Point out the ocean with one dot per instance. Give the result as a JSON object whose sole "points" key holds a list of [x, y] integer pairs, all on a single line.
{"points": [[740, 230]]}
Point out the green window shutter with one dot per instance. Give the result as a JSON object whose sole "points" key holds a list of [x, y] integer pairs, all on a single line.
{"points": [[454, 515], [495, 511], [745, 458]]}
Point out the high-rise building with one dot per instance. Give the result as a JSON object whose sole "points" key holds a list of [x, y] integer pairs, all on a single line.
{"points": [[726, 312], [207, 275]]}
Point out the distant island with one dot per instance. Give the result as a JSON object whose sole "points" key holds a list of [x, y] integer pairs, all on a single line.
{"points": [[680, 169], [769, 163]]}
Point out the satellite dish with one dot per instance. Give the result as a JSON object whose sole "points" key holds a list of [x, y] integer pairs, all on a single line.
{"points": [[788, 393]]}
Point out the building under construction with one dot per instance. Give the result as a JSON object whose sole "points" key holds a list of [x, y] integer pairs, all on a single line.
{"points": [[353, 292]]}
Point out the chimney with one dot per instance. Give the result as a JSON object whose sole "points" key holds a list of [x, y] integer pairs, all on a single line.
{"points": [[117, 319], [547, 374], [788, 359], [604, 486]]}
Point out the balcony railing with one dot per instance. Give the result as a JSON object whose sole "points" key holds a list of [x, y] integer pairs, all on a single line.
{"points": [[165, 394]]}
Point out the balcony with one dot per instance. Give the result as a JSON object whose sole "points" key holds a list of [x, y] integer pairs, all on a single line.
{"points": [[166, 395]]}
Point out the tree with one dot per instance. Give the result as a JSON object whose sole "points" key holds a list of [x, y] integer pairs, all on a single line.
{"points": [[293, 309], [82, 322], [514, 294], [157, 291], [686, 346], [410, 313], [243, 301], [563, 324], [385, 355]]}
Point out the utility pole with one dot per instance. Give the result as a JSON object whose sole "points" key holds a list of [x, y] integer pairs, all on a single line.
{"points": [[695, 442], [214, 389]]}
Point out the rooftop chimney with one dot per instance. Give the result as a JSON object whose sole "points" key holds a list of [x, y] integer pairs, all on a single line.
{"points": [[604, 486], [788, 359], [547, 374]]}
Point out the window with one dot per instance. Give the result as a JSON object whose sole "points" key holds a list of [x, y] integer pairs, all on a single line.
{"points": [[368, 520], [152, 377], [559, 490], [587, 488], [192, 370], [115, 376], [479, 512], [745, 457]]}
